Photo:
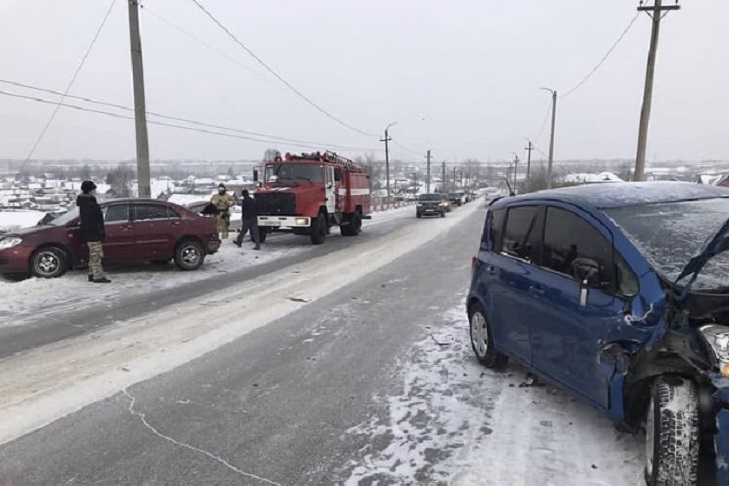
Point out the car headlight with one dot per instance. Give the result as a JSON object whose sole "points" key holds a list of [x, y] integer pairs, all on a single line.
{"points": [[717, 339], [6, 243], [420, 205], [302, 221]]}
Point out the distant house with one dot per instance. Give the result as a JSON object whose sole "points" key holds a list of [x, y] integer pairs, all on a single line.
{"points": [[587, 178]]}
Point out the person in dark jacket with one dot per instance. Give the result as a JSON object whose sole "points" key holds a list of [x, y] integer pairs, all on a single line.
{"points": [[250, 221], [92, 230]]}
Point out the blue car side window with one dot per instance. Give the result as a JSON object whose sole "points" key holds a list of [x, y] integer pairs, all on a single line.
{"points": [[523, 233], [572, 244], [496, 231]]}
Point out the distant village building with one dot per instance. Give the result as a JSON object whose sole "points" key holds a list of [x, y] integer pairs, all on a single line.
{"points": [[586, 178]]}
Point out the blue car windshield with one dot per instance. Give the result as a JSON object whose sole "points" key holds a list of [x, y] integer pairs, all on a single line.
{"points": [[669, 234]]}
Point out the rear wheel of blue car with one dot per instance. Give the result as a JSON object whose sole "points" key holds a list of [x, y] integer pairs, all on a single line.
{"points": [[672, 433], [481, 340]]}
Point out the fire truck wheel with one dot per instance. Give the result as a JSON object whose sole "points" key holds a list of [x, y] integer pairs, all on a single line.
{"points": [[262, 234], [318, 229], [353, 226]]}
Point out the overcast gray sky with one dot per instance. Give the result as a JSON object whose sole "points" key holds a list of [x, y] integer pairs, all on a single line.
{"points": [[461, 77]]}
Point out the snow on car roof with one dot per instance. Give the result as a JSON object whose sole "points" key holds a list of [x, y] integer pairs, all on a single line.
{"points": [[616, 195]]}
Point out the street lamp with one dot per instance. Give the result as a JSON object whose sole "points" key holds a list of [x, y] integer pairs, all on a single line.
{"points": [[387, 158], [551, 139]]}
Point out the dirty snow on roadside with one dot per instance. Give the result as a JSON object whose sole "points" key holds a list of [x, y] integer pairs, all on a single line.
{"points": [[452, 421], [33, 297]]}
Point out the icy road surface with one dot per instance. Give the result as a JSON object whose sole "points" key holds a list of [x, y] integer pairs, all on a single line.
{"points": [[349, 368], [36, 312]]}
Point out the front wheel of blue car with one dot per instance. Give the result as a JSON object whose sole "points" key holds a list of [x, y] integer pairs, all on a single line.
{"points": [[672, 433], [482, 341]]}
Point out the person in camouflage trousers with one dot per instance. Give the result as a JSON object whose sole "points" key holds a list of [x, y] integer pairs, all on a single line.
{"points": [[223, 202], [92, 230]]}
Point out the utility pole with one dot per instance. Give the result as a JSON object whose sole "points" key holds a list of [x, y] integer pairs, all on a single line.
{"points": [[529, 149], [427, 180], [140, 109], [443, 179], [387, 159], [551, 138], [516, 163], [656, 13], [455, 184]]}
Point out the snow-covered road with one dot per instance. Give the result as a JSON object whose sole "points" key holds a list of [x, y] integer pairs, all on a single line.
{"points": [[34, 298], [453, 421], [352, 367]]}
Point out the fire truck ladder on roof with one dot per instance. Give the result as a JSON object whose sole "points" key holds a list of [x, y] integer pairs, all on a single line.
{"points": [[343, 161]]}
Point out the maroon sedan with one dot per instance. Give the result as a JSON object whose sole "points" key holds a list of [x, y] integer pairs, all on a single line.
{"points": [[137, 230]]}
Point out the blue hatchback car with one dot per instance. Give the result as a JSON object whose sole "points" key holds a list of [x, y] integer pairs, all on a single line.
{"points": [[618, 293]]}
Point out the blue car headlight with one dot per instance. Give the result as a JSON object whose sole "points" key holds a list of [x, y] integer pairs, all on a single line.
{"points": [[10, 242], [717, 339]]}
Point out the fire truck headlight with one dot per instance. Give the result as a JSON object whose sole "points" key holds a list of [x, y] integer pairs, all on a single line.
{"points": [[302, 222]]}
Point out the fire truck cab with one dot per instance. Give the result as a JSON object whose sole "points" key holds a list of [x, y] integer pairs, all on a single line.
{"points": [[307, 194]]}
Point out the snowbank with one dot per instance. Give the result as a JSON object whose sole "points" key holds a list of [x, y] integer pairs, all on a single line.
{"points": [[35, 296]]}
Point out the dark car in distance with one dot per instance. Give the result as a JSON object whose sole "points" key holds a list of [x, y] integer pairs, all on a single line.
{"points": [[619, 294], [430, 205], [137, 230], [456, 199]]}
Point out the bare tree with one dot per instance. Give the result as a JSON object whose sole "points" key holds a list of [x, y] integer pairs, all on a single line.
{"points": [[120, 180], [270, 154], [86, 172]]}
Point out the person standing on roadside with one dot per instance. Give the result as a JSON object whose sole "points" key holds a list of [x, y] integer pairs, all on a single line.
{"points": [[250, 221], [223, 202], [92, 230]]}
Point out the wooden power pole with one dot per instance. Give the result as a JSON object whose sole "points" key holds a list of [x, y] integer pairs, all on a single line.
{"points": [[550, 164], [427, 180], [656, 12], [443, 180], [140, 109], [529, 149]]}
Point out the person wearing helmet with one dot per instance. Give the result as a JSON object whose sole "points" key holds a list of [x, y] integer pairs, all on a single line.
{"points": [[223, 202], [92, 230]]}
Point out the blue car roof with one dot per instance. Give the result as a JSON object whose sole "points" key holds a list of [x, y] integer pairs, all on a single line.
{"points": [[621, 194]]}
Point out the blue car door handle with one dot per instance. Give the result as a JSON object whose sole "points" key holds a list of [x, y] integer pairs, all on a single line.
{"points": [[492, 270], [536, 291]]}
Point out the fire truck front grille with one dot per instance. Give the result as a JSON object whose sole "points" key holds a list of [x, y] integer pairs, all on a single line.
{"points": [[271, 204]]}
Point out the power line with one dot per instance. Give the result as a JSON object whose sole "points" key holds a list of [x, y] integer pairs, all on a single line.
{"points": [[278, 76], [70, 84], [604, 58], [406, 148], [179, 119], [209, 46], [154, 122]]}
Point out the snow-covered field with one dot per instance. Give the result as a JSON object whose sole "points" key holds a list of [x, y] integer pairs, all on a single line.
{"points": [[455, 422]]}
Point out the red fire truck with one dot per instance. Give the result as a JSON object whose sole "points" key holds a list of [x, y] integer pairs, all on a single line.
{"points": [[307, 194]]}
